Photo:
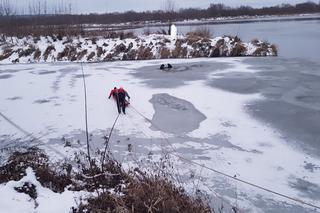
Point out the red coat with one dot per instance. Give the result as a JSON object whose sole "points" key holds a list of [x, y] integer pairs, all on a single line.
{"points": [[113, 92], [121, 90]]}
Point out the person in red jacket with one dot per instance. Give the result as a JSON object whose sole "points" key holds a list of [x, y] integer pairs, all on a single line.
{"points": [[114, 93], [119, 95]]}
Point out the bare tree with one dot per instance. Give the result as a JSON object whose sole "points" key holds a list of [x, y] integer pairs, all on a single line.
{"points": [[6, 8], [169, 6], [169, 9], [1, 9], [45, 8]]}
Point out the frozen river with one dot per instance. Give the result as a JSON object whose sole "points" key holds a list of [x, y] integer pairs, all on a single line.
{"points": [[256, 118]]}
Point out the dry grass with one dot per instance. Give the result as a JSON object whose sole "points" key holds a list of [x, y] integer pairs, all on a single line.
{"points": [[215, 52], [238, 50], [164, 53], [191, 40], [260, 52], [200, 32], [144, 53], [146, 194], [130, 55], [179, 52]]}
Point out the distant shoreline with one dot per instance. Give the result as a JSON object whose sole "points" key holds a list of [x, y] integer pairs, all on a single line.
{"points": [[210, 21]]}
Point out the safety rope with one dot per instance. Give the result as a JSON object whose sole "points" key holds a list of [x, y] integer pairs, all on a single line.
{"points": [[107, 141], [86, 113], [227, 175]]}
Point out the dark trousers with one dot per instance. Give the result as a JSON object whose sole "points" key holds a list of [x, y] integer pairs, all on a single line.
{"points": [[122, 103]]}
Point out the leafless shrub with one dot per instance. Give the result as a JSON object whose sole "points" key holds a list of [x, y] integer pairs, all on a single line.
{"points": [[26, 52], [130, 55], [274, 49], [202, 32], [90, 56], [215, 52], [68, 40], [72, 56], [19, 161], [63, 54], [255, 42], [37, 54], [165, 40], [192, 39], [164, 52], [120, 48], [176, 53], [114, 34], [7, 52], [109, 57], [221, 46], [146, 193], [48, 51], [99, 51], [260, 52], [144, 53], [81, 54], [220, 42], [179, 51], [94, 40], [238, 50], [130, 46]]}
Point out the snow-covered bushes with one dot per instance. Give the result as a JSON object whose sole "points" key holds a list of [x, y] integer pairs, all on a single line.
{"points": [[109, 187], [34, 158], [95, 49]]}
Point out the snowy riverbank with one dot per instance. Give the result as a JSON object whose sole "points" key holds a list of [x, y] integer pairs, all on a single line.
{"points": [[95, 49]]}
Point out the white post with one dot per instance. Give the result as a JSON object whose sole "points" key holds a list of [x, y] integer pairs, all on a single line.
{"points": [[173, 32]]}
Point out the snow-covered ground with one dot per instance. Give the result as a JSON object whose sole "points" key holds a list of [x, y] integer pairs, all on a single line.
{"points": [[191, 113], [47, 200]]}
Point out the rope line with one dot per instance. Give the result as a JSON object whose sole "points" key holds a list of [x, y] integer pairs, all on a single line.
{"points": [[227, 175], [86, 112], [107, 142]]}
